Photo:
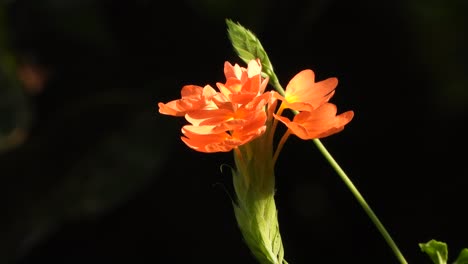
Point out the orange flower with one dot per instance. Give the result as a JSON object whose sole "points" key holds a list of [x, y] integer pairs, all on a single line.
{"points": [[206, 138], [319, 123], [316, 118], [193, 98], [242, 85], [303, 93], [221, 121], [228, 113]]}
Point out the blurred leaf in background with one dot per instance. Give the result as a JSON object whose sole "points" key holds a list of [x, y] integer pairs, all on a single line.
{"points": [[15, 116], [75, 140]]}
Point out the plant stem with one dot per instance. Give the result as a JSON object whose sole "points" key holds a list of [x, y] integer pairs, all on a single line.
{"points": [[361, 201]]}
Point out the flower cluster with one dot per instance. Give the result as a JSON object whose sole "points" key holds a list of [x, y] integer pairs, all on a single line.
{"points": [[236, 114], [241, 110], [221, 121]]}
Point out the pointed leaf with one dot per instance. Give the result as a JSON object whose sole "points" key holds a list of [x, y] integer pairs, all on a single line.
{"points": [[462, 257], [248, 47]]}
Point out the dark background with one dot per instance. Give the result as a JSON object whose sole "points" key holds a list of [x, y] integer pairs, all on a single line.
{"points": [[91, 173]]}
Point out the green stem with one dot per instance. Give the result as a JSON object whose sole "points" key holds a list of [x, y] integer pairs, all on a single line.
{"points": [[361, 201]]}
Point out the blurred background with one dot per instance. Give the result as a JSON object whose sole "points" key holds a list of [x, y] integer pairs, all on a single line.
{"points": [[91, 173]]}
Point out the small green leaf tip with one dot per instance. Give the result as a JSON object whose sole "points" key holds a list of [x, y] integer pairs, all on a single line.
{"points": [[248, 47], [462, 257], [436, 250]]}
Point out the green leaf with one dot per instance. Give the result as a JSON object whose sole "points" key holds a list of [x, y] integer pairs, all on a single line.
{"points": [[436, 250], [248, 47], [462, 257]]}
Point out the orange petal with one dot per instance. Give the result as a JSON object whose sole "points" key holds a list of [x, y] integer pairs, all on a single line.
{"points": [[170, 108], [253, 127], [254, 68], [220, 142], [208, 92], [193, 91], [303, 93], [234, 71], [199, 130], [192, 99], [208, 117], [319, 123]]}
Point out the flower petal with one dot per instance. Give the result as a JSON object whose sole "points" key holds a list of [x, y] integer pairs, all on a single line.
{"points": [[193, 97], [304, 94], [254, 67], [219, 142], [319, 123]]}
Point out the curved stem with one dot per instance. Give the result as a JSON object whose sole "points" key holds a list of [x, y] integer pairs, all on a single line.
{"points": [[361, 201], [280, 145]]}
